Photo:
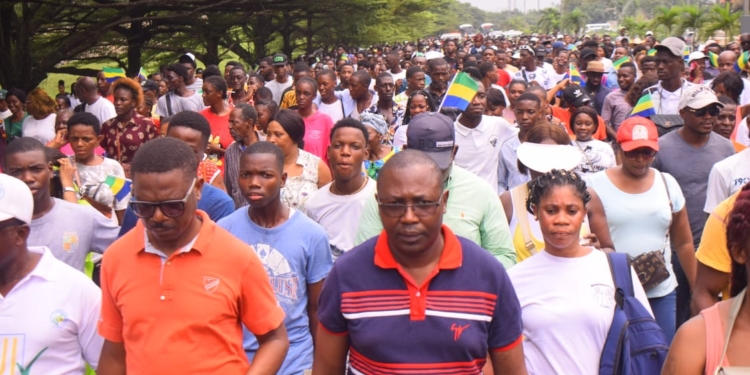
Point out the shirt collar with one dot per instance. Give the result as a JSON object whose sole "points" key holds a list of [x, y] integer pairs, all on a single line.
{"points": [[463, 130], [451, 257], [200, 244], [45, 269]]}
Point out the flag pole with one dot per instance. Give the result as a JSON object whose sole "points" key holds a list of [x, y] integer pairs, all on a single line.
{"points": [[446, 91]]}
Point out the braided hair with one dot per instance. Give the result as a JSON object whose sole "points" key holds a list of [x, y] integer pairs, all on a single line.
{"points": [[541, 186], [738, 235]]}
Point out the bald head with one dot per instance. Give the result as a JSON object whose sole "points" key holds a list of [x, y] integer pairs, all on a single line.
{"points": [[88, 84], [726, 61], [401, 163]]}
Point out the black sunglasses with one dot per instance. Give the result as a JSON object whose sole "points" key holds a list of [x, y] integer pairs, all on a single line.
{"points": [[646, 152], [712, 110], [171, 209]]}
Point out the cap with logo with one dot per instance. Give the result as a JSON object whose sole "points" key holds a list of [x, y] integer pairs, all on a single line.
{"points": [[673, 45], [697, 97], [3, 94], [16, 201], [636, 132], [575, 96], [434, 134], [280, 59], [594, 67], [524, 47], [540, 52], [187, 58]]}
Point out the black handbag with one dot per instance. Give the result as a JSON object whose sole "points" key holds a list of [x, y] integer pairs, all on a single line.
{"points": [[667, 123]]}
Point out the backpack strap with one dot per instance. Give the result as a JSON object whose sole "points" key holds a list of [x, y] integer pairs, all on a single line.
{"points": [[619, 265], [518, 194]]}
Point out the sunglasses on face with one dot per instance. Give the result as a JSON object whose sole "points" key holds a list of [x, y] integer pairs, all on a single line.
{"points": [[171, 209], [713, 111], [645, 152]]}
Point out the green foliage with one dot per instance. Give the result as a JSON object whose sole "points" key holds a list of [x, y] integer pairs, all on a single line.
{"points": [[575, 21], [637, 26], [549, 21], [721, 17], [666, 18]]}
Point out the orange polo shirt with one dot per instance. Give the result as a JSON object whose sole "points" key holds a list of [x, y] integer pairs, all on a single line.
{"points": [[564, 116], [182, 314]]}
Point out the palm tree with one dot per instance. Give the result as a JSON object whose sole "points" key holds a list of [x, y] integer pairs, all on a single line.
{"points": [[637, 26], [549, 21], [575, 21], [692, 18], [667, 17], [721, 17]]}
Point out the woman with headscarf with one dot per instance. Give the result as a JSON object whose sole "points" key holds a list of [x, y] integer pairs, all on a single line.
{"points": [[380, 152]]}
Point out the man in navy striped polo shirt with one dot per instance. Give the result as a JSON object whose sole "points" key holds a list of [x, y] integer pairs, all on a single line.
{"points": [[417, 298]]}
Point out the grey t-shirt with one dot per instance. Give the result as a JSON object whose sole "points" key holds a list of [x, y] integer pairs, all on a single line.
{"points": [[191, 103], [71, 231], [690, 166]]}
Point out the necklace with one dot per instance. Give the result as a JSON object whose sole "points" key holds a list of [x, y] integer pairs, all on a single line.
{"points": [[336, 191]]}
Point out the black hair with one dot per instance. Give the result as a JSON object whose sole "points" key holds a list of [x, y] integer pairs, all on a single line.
{"points": [[434, 63], [648, 59], [539, 187], [411, 158], [310, 81], [427, 98], [84, 119], [628, 64], [21, 145], [412, 71], [293, 125], [343, 65], [471, 64], [530, 97], [473, 72], [737, 224], [267, 148], [178, 69], [328, 72], [248, 112], [231, 63], [211, 71], [349, 123], [585, 110], [64, 98], [301, 67], [496, 98], [486, 68], [219, 84], [18, 93], [192, 120], [267, 59], [726, 100], [271, 105], [187, 59], [363, 77], [519, 82], [162, 155], [61, 83], [263, 93], [381, 76], [732, 84]]}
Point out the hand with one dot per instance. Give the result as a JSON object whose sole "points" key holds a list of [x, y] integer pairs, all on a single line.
{"points": [[591, 240], [126, 169], [213, 148], [67, 171], [61, 139]]}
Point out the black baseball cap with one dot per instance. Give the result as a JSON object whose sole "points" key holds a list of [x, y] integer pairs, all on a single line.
{"points": [[575, 96], [280, 59], [434, 134], [150, 84]]}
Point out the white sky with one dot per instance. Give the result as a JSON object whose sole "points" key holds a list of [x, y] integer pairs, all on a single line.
{"points": [[500, 5]]}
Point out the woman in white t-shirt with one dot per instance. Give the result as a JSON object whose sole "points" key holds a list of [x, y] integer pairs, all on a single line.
{"points": [[646, 212], [40, 124], [566, 291], [596, 155]]}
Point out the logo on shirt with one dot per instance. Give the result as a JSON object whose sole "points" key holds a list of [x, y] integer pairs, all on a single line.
{"points": [[603, 295], [70, 241], [458, 330], [211, 284], [493, 141], [58, 318], [284, 281]]}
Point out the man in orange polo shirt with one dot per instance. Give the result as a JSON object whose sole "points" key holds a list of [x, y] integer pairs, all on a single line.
{"points": [[177, 289]]}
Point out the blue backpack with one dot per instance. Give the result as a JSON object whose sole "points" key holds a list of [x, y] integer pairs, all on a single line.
{"points": [[635, 343]]}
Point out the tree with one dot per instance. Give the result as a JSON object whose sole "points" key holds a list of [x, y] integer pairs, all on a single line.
{"points": [[549, 21], [691, 18], [667, 17], [637, 26], [575, 21], [721, 17]]}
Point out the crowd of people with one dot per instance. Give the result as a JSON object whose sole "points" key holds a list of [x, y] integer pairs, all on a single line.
{"points": [[330, 214]]}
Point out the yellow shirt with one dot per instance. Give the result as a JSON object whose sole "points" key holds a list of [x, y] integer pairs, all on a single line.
{"points": [[289, 100], [713, 251]]}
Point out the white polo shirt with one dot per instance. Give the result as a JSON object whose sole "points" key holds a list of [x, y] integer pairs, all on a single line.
{"points": [[479, 148], [726, 178], [51, 313]]}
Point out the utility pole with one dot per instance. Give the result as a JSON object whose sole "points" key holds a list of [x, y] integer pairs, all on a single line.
{"points": [[745, 19]]}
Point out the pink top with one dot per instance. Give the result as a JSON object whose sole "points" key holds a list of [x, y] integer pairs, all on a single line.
{"points": [[714, 339], [317, 134]]}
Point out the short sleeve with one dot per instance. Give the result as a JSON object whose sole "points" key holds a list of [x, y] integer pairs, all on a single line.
{"points": [[717, 190], [369, 222], [110, 321], [329, 305], [506, 327], [607, 112], [259, 309], [495, 233], [675, 193], [104, 231], [161, 106], [712, 250], [90, 341], [319, 260]]}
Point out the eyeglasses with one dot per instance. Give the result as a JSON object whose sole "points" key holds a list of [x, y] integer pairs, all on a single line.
{"points": [[712, 110], [171, 209], [419, 209], [645, 152]]}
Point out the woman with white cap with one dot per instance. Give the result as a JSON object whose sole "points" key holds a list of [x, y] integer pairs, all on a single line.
{"points": [[547, 147], [646, 212]]}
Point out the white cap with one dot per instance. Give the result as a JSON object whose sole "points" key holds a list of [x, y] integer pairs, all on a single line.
{"points": [[649, 33], [544, 158], [698, 96], [429, 55], [16, 201], [559, 36], [697, 55]]}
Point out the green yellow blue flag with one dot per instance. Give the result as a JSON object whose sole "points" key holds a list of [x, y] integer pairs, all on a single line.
{"points": [[575, 76], [120, 186], [713, 59], [644, 107], [461, 92], [622, 60], [651, 52], [113, 74], [741, 63]]}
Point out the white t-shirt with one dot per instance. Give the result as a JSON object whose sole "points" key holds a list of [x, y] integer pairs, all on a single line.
{"points": [[396, 77], [726, 178], [278, 88], [197, 86], [6, 114], [557, 78], [102, 108], [92, 182], [178, 103], [339, 214], [399, 138], [639, 223], [596, 156], [335, 110], [541, 75], [567, 305], [479, 148], [54, 307], [42, 130]]}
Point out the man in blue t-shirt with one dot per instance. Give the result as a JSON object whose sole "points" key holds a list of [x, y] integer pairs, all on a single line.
{"points": [[293, 248]]}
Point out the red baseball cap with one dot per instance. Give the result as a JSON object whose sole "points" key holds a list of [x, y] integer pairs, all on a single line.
{"points": [[637, 132]]}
